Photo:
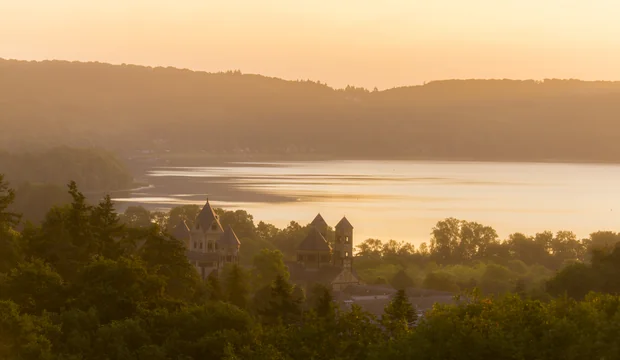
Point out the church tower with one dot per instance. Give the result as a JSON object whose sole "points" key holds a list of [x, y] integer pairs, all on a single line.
{"points": [[320, 224], [207, 231], [343, 246], [229, 246]]}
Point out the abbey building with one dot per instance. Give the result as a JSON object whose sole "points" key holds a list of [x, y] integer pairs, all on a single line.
{"points": [[320, 258], [209, 245], [322, 261]]}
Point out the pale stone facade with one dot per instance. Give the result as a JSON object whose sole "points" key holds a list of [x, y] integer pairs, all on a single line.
{"points": [[209, 245], [318, 261]]}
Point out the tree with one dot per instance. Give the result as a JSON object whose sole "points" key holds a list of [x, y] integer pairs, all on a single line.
{"points": [[423, 249], [52, 242], [402, 281], [268, 264], [289, 238], [23, 336], [322, 301], [604, 239], [407, 249], [107, 229], [79, 218], [35, 286], [118, 289], [7, 197], [240, 220], [283, 304], [184, 212], [527, 249], [266, 231], [237, 287], [391, 248], [214, 287], [165, 256], [160, 219], [399, 314], [10, 249], [358, 333], [497, 279], [440, 281], [370, 248], [137, 217], [456, 240], [444, 240]]}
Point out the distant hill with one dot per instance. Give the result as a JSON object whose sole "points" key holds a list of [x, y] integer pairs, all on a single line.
{"points": [[129, 108], [92, 169]]}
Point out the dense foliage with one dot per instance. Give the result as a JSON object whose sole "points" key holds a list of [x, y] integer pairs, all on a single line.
{"points": [[87, 284], [137, 108], [93, 169], [462, 255]]}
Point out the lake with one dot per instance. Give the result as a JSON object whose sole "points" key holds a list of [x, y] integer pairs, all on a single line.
{"points": [[400, 200]]}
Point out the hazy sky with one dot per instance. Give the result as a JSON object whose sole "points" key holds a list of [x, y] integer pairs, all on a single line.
{"points": [[381, 43]]}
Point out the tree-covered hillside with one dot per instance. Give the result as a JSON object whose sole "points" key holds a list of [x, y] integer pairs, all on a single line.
{"points": [[84, 284], [96, 169], [129, 108]]}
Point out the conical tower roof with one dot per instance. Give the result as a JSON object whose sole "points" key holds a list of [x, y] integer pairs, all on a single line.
{"points": [[319, 222], [206, 217], [314, 242], [181, 231], [229, 238], [344, 224]]}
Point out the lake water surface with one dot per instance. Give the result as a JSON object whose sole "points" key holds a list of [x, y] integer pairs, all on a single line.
{"points": [[402, 200]]}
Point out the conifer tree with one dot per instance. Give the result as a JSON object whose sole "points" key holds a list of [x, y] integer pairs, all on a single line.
{"points": [[214, 287], [399, 314], [283, 303], [237, 287], [107, 228], [7, 196]]}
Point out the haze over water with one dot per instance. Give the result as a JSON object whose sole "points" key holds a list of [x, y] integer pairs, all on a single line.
{"points": [[402, 200]]}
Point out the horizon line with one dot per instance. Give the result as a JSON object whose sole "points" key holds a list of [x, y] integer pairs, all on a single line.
{"points": [[319, 82]]}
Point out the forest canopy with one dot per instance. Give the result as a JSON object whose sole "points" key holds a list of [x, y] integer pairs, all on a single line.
{"points": [[129, 108], [95, 169], [89, 284]]}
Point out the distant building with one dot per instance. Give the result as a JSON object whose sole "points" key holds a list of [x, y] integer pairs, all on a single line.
{"points": [[318, 261], [209, 245]]}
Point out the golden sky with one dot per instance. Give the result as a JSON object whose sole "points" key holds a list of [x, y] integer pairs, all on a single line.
{"points": [[383, 43]]}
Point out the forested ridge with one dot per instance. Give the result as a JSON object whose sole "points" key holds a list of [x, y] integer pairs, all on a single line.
{"points": [[40, 176], [126, 108], [88, 283], [95, 169]]}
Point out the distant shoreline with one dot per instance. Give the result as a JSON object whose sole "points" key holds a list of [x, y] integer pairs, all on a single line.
{"points": [[223, 189], [207, 160]]}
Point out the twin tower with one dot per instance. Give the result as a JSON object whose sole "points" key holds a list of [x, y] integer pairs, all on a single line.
{"points": [[316, 251]]}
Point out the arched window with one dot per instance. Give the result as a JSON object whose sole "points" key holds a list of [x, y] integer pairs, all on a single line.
{"points": [[346, 239], [346, 254]]}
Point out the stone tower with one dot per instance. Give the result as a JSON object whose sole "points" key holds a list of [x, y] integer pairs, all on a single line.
{"points": [[182, 233], [321, 225], [343, 245], [314, 252], [206, 231], [229, 246]]}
